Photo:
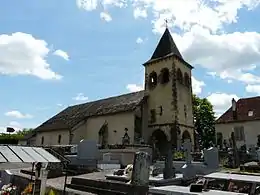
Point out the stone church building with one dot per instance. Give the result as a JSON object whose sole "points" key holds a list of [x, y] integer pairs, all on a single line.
{"points": [[161, 112]]}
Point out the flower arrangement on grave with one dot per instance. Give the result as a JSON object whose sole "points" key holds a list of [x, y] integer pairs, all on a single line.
{"points": [[8, 189], [28, 190], [128, 171]]}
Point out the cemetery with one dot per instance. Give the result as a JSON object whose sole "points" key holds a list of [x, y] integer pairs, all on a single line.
{"points": [[87, 169]]}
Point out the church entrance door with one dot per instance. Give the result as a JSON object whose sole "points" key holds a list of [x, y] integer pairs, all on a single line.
{"points": [[160, 142]]}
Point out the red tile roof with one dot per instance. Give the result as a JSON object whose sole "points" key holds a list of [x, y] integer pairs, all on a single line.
{"points": [[244, 105]]}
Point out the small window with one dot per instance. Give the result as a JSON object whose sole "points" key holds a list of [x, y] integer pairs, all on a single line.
{"points": [[59, 139], [250, 113], [42, 142], [153, 115], [165, 76], [186, 79], [239, 133], [179, 76], [152, 80], [185, 111]]}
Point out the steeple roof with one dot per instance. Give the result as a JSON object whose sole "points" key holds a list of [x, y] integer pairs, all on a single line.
{"points": [[166, 46]]}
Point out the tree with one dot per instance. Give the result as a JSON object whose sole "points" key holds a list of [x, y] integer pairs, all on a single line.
{"points": [[204, 122], [6, 138]]}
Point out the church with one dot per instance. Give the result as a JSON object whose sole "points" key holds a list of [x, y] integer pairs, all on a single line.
{"points": [[162, 112]]}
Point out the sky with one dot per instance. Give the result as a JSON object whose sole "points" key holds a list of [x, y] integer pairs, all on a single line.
{"points": [[59, 53]]}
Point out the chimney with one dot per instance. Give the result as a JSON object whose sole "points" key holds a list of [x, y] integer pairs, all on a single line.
{"points": [[234, 109]]}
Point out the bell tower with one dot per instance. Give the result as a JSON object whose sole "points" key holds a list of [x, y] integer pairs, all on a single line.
{"points": [[169, 94]]}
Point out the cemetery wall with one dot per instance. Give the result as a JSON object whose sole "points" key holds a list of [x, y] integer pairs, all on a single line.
{"points": [[251, 131], [116, 126]]}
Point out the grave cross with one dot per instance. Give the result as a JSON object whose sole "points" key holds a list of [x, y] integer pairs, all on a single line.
{"points": [[187, 149]]}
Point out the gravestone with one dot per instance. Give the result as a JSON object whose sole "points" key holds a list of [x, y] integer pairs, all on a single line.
{"points": [[188, 170], [87, 155], [187, 146], [141, 169], [87, 149], [106, 157], [258, 155], [168, 171], [211, 158]]}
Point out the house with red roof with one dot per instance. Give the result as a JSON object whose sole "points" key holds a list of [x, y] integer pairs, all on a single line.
{"points": [[242, 118]]}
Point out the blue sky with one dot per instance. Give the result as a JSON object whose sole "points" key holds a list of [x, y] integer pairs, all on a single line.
{"points": [[58, 53]]}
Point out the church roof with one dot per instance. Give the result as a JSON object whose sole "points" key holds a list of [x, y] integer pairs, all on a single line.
{"points": [[72, 115], [166, 46]]}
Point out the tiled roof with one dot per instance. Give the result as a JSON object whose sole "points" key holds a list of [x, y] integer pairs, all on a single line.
{"points": [[243, 105], [166, 46], [72, 115]]}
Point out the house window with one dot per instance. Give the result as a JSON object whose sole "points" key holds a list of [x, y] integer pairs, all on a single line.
{"points": [[59, 139], [239, 133], [250, 113], [152, 80], [165, 76], [42, 142], [153, 116]]}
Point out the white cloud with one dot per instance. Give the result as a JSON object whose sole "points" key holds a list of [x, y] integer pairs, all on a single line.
{"points": [[22, 54], [17, 114], [105, 16], [221, 101], [253, 89], [203, 39], [14, 124], [140, 13], [197, 86], [88, 5], [134, 87], [139, 40], [80, 97], [227, 55], [2, 129], [62, 54]]}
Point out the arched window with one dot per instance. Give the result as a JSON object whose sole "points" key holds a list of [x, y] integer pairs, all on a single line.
{"points": [[152, 80], [165, 76], [59, 139], [179, 76], [42, 142], [186, 79]]}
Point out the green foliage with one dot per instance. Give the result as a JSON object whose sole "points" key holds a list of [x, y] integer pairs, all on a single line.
{"points": [[13, 138], [204, 121], [178, 155]]}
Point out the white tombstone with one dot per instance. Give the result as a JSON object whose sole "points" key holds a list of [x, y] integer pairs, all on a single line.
{"points": [[44, 174]]}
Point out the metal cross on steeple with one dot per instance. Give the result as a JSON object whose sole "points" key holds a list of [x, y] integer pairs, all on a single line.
{"points": [[166, 23]]}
